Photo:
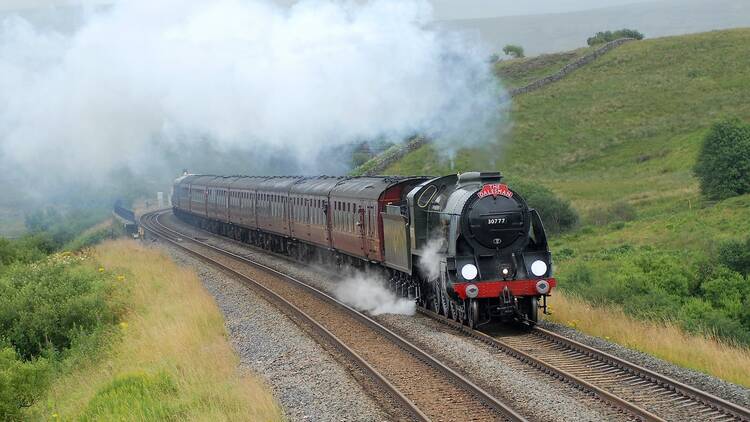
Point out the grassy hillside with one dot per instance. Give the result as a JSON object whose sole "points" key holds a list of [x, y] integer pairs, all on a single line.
{"points": [[618, 139]]}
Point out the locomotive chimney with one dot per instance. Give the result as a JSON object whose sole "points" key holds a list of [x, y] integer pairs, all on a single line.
{"points": [[477, 177], [490, 176]]}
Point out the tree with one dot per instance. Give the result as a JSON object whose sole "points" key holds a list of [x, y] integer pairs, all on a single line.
{"points": [[723, 165], [607, 36], [558, 216], [735, 255], [515, 51]]}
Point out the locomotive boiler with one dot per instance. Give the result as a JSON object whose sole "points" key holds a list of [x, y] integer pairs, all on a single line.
{"points": [[464, 245]]}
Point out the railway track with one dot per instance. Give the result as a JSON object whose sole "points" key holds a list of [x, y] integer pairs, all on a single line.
{"points": [[638, 391], [421, 385], [630, 387]]}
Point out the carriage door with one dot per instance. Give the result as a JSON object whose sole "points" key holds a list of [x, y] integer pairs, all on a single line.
{"points": [[227, 196], [362, 233], [308, 212], [205, 201], [371, 234]]}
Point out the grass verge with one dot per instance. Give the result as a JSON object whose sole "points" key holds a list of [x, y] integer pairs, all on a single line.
{"points": [[169, 358], [663, 340]]}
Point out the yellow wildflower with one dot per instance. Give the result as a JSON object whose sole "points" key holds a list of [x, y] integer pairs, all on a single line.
{"points": [[101, 269], [123, 325], [120, 277]]}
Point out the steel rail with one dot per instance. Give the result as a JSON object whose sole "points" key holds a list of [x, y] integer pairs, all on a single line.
{"points": [[545, 367], [153, 225], [708, 399], [727, 408]]}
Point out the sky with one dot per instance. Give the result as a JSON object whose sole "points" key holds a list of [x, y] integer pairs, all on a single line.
{"points": [[444, 9], [471, 9], [554, 32]]}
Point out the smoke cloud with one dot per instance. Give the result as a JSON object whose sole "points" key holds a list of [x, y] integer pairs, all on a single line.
{"points": [[141, 76], [369, 294], [429, 260]]}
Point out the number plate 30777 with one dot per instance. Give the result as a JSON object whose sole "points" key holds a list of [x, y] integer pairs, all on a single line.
{"points": [[493, 221]]}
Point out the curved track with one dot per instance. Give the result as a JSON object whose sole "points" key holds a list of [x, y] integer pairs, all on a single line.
{"points": [[420, 384]]}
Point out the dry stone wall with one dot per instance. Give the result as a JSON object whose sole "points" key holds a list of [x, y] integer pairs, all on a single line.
{"points": [[570, 67], [381, 162]]}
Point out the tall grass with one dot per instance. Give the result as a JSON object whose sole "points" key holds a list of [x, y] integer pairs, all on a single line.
{"points": [[170, 358], [662, 340]]}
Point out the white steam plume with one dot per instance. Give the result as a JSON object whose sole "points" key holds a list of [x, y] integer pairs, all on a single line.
{"points": [[240, 73], [368, 293], [429, 260]]}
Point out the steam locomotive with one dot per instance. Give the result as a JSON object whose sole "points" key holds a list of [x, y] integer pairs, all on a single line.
{"points": [[464, 245]]}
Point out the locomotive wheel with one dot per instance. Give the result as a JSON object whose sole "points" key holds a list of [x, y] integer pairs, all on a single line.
{"points": [[532, 310], [434, 299], [472, 313], [434, 303], [461, 312], [454, 311], [445, 305]]}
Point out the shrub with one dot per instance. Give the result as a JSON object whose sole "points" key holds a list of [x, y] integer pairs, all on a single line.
{"points": [[44, 306], [565, 253], [735, 255], [557, 214], [581, 277], [607, 36], [137, 396], [620, 211], [723, 165], [21, 383], [25, 250], [515, 51], [54, 229], [662, 285], [95, 235], [725, 289]]}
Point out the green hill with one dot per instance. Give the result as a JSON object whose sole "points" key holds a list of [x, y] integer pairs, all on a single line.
{"points": [[618, 138]]}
